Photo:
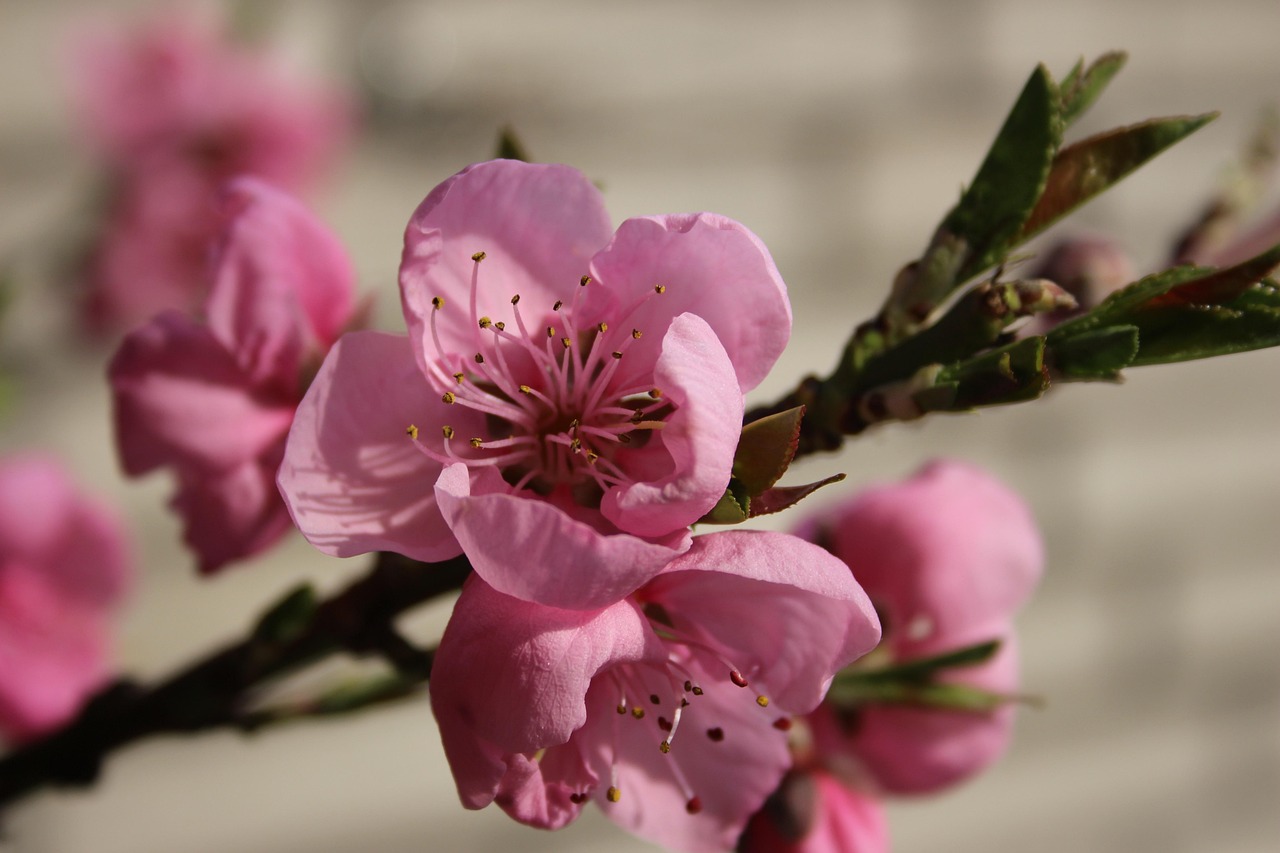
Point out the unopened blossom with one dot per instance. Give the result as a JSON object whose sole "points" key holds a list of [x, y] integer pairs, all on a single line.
{"points": [[568, 399], [213, 397], [814, 812], [1088, 267], [669, 709], [947, 557], [63, 570], [173, 109]]}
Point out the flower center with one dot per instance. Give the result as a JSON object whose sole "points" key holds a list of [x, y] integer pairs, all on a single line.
{"points": [[561, 403]]}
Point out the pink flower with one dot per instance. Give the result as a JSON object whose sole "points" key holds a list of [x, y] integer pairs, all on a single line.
{"points": [[566, 404], [214, 399], [812, 812], [668, 708], [63, 571], [174, 110], [947, 557]]}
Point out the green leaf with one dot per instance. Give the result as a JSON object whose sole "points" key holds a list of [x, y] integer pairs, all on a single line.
{"points": [[1095, 354], [925, 669], [1081, 88], [1086, 168], [978, 231], [510, 147], [1010, 374], [765, 449], [991, 211], [288, 618], [730, 509], [1171, 333]]}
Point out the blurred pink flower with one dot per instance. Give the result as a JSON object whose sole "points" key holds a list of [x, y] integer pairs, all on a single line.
{"points": [[63, 569], [572, 400], [668, 708], [174, 110], [214, 399], [813, 812], [947, 557]]}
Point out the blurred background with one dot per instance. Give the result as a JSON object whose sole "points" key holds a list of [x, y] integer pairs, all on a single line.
{"points": [[839, 132]]}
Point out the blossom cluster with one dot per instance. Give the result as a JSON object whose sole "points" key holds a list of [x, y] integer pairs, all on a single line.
{"points": [[172, 110]]}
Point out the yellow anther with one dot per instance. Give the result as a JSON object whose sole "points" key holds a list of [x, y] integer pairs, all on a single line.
{"points": [[575, 445], [437, 302], [412, 431], [613, 794], [584, 281], [637, 712], [447, 431], [479, 358], [558, 305], [617, 354], [636, 333], [515, 299], [458, 377], [566, 342], [659, 288], [485, 322], [762, 701], [655, 393], [604, 327], [500, 326], [592, 456], [622, 709], [525, 389], [551, 331], [447, 398], [664, 747], [478, 257], [477, 443]]}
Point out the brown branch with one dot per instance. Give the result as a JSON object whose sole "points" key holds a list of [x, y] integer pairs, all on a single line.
{"points": [[212, 693]]}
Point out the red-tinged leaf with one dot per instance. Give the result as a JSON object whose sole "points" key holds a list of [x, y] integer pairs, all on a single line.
{"points": [[783, 497], [765, 449], [1221, 286]]}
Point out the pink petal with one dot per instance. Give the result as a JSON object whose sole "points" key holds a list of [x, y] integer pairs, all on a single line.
{"points": [[840, 820], [785, 612], [53, 652], [947, 556], [233, 514], [730, 777], [512, 677], [283, 284], [352, 478], [911, 750], [533, 550], [711, 266], [181, 399], [538, 224], [45, 522], [695, 374]]}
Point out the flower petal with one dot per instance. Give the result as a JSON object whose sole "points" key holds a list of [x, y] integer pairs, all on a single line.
{"points": [[511, 677], [543, 555], [181, 399], [731, 775], [282, 284], [947, 556], [233, 514], [838, 819], [695, 374], [710, 266], [353, 480], [538, 224], [786, 612]]}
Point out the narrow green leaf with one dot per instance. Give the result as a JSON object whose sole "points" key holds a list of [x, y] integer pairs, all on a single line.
{"points": [[1086, 168], [925, 669], [510, 147], [765, 449], [289, 617], [1011, 374], [730, 509], [980, 228], [1080, 89], [1171, 334], [991, 211], [1096, 354]]}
